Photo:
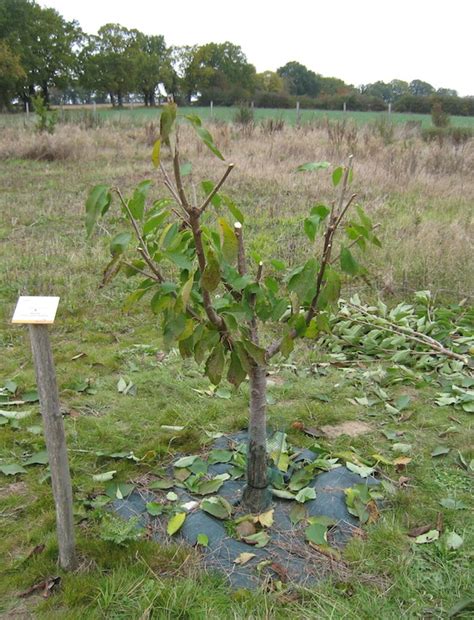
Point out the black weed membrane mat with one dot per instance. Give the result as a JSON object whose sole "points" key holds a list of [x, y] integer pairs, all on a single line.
{"points": [[287, 556]]}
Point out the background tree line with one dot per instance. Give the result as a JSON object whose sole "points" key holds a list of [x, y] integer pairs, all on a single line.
{"points": [[43, 53]]}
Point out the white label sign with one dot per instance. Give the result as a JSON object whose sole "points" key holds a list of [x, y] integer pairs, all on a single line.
{"points": [[40, 310]]}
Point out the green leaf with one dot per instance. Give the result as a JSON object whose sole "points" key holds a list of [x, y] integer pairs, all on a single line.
{"points": [[108, 475], [185, 461], [163, 484], [211, 275], [203, 540], [155, 508], [452, 504], [279, 265], [217, 506], [175, 523], [229, 241], [235, 211], [215, 364], [136, 204], [220, 456], [236, 373], [120, 243], [337, 176], [282, 494], [12, 469], [440, 451], [97, 204], [155, 154], [167, 121], [297, 513], [313, 165], [303, 282], [204, 135], [260, 539], [317, 533], [255, 352], [155, 222], [305, 495], [363, 470], [208, 187], [348, 263], [118, 490], [207, 487], [39, 458]]}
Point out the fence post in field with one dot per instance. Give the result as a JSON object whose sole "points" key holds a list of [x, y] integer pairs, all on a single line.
{"points": [[38, 312], [94, 108], [212, 108], [27, 109], [298, 114], [344, 107], [389, 108]]}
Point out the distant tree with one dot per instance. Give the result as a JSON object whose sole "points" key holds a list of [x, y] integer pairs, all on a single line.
{"points": [[378, 89], [400, 88], [299, 79], [333, 86], [420, 88], [270, 82], [153, 66], [110, 61], [12, 75], [447, 92], [216, 69], [45, 43], [184, 69]]}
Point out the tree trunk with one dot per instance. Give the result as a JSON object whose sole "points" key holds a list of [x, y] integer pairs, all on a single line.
{"points": [[119, 99], [256, 496]]}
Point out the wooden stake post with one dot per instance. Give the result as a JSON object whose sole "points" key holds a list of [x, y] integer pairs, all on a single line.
{"points": [[38, 312]]}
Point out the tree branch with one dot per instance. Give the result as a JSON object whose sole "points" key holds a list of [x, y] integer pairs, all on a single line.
{"points": [[142, 249], [216, 188]]}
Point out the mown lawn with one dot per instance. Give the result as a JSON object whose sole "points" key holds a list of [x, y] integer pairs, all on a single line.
{"points": [[43, 250]]}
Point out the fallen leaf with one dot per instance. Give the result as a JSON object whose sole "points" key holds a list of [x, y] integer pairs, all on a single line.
{"points": [[78, 356], [453, 541], [108, 475], [175, 523], [12, 469], [305, 495], [363, 470], [280, 571], [217, 506], [428, 537], [297, 513], [243, 558], [452, 504], [313, 432], [266, 518], [372, 509], [418, 531], [36, 551], [203, 540], [245, 528], [47, 586], [260, 539], [440, 451], [316, 533]]}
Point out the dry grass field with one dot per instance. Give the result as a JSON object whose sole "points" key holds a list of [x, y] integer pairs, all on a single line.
{"points": [[421, 194]]}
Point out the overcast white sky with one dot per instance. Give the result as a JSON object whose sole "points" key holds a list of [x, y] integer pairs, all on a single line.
{"points": [[360, 41]]}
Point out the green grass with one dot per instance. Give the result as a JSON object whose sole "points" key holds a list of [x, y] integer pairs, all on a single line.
{"points": [[43, 250], [140, 115]]}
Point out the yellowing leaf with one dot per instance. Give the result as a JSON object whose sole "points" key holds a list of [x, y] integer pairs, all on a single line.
{"points": [[243, 558], [229, 241], [266, 518], [175, 523]]}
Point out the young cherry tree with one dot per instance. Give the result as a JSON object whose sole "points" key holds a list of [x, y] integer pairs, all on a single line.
{"points": [[214, 303]]}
